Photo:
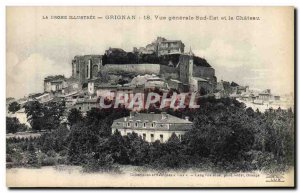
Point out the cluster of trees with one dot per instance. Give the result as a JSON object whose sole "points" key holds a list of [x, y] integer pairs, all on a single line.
{"points": [[225, 136], [121, 57], [46, 116]]}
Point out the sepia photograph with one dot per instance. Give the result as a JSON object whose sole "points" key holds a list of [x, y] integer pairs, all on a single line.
{"points": [[150, 97]]}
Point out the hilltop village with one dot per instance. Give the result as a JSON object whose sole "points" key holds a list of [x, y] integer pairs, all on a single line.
{"points": [[162, 65]]}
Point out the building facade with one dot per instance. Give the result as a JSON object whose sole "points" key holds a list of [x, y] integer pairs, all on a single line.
{"points": [[85, 105], [152, 127], [162, 46], [86, 67], [21, 116], [54, 83]]}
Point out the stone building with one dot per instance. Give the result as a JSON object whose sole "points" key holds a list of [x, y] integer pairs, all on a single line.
{"points": [[177, 85], [162, 46], [148, 81], [86, 67], [265, 95], [201, 85], [200, 79], [21, 116], [152, 127], [85, 105], [170, 47], [54, 83], [73, 86]]}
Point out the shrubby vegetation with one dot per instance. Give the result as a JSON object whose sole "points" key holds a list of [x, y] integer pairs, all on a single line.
{"points": [[226, 136], [122, 57], [13, 125]]}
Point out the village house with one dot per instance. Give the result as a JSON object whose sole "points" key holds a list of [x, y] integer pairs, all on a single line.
{"points": [[54, 83], [152, 127], [155, 82], [201, 85], [85, 105], [265, 95], [21, 116]]}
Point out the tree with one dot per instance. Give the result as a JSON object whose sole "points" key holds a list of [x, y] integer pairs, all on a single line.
{"points": [[223, 131], [13, 125], [83, 140], [117, 148], [279, 137], [53, 113], [169, 154], [137, 149], [34, 111], [44, 116], [32, 156], [14, 107], [74, 116], [122, 81]]}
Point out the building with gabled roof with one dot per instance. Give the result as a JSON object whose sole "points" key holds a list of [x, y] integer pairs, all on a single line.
{"points": [[152, 127]]}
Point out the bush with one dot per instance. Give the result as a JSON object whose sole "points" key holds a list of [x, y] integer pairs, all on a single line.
{"points": [[45, 160], [13, 125], [100, 163]]}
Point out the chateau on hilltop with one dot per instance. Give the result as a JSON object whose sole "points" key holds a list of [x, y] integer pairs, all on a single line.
{"points": [[164, 58]]}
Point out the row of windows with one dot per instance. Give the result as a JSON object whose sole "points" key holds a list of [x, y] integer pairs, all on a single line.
{"points": [[144, 124]]}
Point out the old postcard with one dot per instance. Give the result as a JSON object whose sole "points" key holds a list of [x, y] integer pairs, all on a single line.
{"points": [[150, 97]]}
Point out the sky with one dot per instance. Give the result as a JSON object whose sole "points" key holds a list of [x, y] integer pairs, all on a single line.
{"points": [[255, 53]]}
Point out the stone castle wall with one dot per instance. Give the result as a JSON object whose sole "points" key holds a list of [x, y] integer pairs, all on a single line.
{"points": [[132, 68], [205, 72]]}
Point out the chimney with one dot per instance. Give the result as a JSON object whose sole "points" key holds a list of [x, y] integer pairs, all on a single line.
{"points": [[164, 115], [186, 118], [131, 114]]}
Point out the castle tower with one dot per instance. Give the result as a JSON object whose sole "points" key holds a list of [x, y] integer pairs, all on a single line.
{"points": [[191, 64], [186, 63], [86, 67]]}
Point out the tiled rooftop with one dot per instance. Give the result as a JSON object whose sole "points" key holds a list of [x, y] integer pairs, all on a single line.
{"points": [[158, 118]]}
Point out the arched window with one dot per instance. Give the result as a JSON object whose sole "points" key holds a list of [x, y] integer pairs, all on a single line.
{"points": [[95, 71]]}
